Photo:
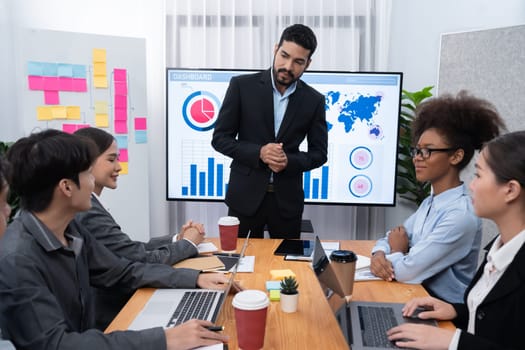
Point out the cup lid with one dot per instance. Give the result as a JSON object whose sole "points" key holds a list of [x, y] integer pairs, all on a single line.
{"points": [[229, 220], [250, 299], [343, 256]]}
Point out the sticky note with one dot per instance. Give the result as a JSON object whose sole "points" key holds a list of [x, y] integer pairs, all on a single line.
{"points": [[100, 81], [99, 69], [280, 274], [140, 123], [272, 285], [121, 127], [141, 136], [123, 155], [275, 295], [35, 82], [73, 112], [99, 55], [125, 168], [101, 107], [44, 113], [102, 120], [79, 84], [119, 74]]}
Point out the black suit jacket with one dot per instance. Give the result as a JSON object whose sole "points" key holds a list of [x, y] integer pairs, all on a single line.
{"points": [[246, 123], [501, 316]]}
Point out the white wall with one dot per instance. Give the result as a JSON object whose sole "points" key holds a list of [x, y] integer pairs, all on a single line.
{"points": [[415, 42]]}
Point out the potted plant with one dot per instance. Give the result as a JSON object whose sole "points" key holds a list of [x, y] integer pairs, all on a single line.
{"points": [[289, 294], [12, 198], [408, 187]]}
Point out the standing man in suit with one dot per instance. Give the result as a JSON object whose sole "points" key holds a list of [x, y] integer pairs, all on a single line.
{"points": [[263, 119]]}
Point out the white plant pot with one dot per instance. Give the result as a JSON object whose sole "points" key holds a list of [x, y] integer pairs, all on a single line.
{"points": [[289, 302]]}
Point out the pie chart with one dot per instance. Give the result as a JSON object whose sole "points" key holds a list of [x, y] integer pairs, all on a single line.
{"points": [[200, 110]]}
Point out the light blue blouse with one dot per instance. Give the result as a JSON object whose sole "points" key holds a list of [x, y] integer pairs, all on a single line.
{"points": [[444, 240]]}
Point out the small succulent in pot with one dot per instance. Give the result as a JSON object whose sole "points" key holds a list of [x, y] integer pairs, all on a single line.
{"points": [[289, 285]]}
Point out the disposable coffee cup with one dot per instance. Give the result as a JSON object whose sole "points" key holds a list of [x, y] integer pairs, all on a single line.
{"points": [[250, 308], [343, 262], [228, 232]]}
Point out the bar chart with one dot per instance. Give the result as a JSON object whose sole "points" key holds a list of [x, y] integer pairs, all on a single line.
{"points": [[316, 187]]}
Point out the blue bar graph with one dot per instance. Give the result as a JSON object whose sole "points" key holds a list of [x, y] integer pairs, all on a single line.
{"points": [[207, 183], [315, 188]]}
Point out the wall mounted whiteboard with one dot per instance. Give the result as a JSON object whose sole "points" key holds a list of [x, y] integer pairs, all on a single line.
{"points": [[43, 49]]}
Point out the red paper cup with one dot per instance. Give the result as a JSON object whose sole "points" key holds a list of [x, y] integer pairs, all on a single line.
{"points": [[228, 232], [250, 308]]}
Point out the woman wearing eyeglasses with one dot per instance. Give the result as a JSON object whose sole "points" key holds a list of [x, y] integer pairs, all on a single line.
{"points": [[493, 312], [438, 245]]}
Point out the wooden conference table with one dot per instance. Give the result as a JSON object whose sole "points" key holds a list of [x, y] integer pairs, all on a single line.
{"points": [[313, 326]]}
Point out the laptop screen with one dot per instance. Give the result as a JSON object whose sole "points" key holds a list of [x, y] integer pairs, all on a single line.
{"points": [[324, 271]]}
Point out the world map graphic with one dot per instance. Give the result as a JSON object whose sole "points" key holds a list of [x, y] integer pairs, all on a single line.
{"points": [[347, 110]]}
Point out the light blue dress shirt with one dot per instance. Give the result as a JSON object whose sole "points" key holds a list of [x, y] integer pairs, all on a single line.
{"points": [[444, 240], [280, 103]]}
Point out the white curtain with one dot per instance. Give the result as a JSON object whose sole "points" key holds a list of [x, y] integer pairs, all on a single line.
{"points": [[352, 35]]}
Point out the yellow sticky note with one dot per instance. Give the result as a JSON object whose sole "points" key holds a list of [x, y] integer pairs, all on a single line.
{"points": [[275, 295], [101, 120], [124, 166], [99, 68], [73, 112], [100, 81], [281, 274], [44, 113], [59, 112], [99, 55], [101, 107]]}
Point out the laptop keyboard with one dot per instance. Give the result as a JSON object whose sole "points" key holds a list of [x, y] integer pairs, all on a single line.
{"points": [[375, 321], [193, 305]]}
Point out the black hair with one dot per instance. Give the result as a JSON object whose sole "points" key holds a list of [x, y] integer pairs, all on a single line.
{"points": [[505, 155], [301, 35], [40, 160], [466, 122], [99, 137]]}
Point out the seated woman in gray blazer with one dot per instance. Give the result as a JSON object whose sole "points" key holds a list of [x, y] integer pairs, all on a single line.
{"points": [[101, 224], [162, 250], [493, 312]]}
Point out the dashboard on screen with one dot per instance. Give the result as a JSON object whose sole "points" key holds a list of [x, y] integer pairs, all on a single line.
{"points": [[362, 114]]}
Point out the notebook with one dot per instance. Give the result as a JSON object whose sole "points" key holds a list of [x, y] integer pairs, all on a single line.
{"points": [[171, 307], [364, 324]]}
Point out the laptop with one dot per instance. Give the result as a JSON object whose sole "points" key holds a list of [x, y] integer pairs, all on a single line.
{"points": [[171, 307], [364, 324]]}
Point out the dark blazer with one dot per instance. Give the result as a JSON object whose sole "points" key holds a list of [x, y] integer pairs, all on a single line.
{"points": [[501, 316], [246, 123], [103, 227], [99, 222]]}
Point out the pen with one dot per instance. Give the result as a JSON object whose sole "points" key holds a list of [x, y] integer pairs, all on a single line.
{"points": [[234, 255], [214, 328]]}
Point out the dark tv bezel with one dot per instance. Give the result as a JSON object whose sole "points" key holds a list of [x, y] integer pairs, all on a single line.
{"points": [[248, 71]]}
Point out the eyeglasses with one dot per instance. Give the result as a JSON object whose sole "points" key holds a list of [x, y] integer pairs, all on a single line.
{"points": [[425, 153]]}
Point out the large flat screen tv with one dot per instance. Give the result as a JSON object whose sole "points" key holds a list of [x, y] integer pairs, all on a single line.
{"points": [[362, 113]]}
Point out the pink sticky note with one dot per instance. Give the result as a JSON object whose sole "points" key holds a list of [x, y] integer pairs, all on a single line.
{"points": [[79, 84], [50, 83], [140, 123], [123, 155], [69, 128], [121, 127], [121, 114], [121, 102], [121, 88], [35, 82], [65, 84], [51, 98], [82, 126], [119, 74]]}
